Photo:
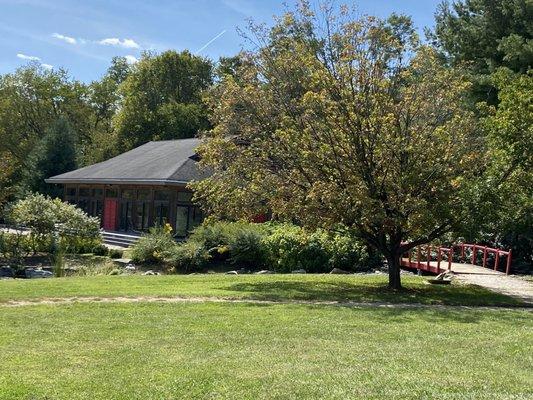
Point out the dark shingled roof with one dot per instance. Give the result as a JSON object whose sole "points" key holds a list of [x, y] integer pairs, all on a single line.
{"points": [[167, 162]]}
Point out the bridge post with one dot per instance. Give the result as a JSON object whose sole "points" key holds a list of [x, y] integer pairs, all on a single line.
{"points": [[462, 252], [429, 257], [418, 257], [484, 256], [450, 258], [473, 255], [508, 267], [439, 256], [496, 261]]}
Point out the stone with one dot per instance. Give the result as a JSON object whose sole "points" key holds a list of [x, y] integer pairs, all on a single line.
{"points": [[264, 272], [339, 271], [232, 273], [299, 271], [130, 267], [32, 273], [122, 261], [150, 272], [7, 272]]}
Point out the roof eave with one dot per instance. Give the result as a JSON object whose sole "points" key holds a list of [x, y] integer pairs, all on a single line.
{"points": [[111, 181]]}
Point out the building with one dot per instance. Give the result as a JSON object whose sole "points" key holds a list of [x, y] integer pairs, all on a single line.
{"points": [[141, 188]]}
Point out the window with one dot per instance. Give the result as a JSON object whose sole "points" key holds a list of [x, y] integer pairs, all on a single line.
{"points": [[161, 213], [98, 192], [85, 192], [142, 218], [111, 192], [163, 195], [143, 194], [128, 194], [187, 218], [184, 197], [71, 191]]}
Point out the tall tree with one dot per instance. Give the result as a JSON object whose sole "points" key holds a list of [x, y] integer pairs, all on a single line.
{"points": [[486, 35], [162, 99], [343, 120], [54, 155]]}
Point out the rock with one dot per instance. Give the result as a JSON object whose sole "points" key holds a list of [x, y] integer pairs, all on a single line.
{"points": [[264, 272], [232, 273], [7, 272], [122, 261], [299, 271], [37, 273], [339, 271], [130, 267], [150, 272]]}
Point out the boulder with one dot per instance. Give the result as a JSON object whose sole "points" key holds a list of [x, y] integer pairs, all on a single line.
{"points": [[32, 273], [339, 271], [130, 267], [150, 272], [7, 272], [232, 273], [299, 271], [264, 272]]}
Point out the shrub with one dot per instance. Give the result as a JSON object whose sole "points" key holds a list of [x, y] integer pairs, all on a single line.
{"points": [[347, 253], [151, 247], [14, 246], [115, 253], [187, 257], [46, 217], [246, 248]]}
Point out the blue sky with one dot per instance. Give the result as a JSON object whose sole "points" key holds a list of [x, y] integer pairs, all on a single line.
{"points": [[83, 36]]}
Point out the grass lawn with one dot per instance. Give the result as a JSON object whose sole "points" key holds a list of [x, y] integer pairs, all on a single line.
{"points": [[362, 288], [230, 350]]}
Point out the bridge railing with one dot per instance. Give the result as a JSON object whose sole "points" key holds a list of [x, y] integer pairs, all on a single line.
{"points": [[424, 256], [476, 248]]}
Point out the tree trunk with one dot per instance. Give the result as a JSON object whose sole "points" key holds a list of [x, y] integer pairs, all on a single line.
{"points": [[393, 262]]}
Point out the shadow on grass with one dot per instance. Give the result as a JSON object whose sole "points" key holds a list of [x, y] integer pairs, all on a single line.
{"points": [[370, 292]]}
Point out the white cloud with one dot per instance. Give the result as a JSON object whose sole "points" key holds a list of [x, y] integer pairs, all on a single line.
{"points": [[127, 43], [68, 39], [25, 57], [47, 66], [131, 59]]}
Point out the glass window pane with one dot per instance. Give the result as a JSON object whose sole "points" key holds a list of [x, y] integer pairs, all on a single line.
{"points": [[85, 192], [161, 214], [143, 194], [195, 217], [98, 192], [182, 218], [128, 193], [112, 192], [162, 195], [141, 221], [185, 197]]}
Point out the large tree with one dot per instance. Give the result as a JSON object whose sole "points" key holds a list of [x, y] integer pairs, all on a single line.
{"points": [[162, 99], [343, 120]]}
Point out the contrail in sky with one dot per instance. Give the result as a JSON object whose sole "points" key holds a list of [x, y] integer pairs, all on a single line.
{"points": [[211, 41]]}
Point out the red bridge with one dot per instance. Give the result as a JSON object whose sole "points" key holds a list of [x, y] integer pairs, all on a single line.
{"points": [[437, 259]]}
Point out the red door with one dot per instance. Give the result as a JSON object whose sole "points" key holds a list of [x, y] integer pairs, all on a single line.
{"points": [[110, 214]]}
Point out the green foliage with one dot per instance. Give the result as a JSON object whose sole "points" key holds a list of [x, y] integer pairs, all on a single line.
{"points": [[486, 33], [187, 257], [15, 246], [53, 155], [162, 99], [291, 247], [152, 247], [46, 217]]}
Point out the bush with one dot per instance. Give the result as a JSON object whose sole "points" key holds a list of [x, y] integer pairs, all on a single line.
{"points": [[246, 249], [151, 247], [46, 218], [115, 253], [187, 257], [14, 246]]}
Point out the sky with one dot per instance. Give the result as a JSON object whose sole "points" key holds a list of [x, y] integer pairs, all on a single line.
{"points": [[83, 36]]}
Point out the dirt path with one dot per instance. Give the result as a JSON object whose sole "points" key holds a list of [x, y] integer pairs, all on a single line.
{"points": [[495, 281], [154, 299]]}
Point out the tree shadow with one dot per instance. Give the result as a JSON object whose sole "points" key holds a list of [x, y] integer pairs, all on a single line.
{"points": [[344, 291]]}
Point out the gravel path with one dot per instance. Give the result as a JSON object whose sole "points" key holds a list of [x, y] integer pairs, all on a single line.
{"points": [[495, 281]]}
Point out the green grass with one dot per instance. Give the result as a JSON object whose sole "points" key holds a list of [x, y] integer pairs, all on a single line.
{"points": [[360, 288], [249, 351], [210, 350]]}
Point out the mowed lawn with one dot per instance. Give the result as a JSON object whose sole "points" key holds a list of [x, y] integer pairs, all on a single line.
{"points": [[225, 350]]}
